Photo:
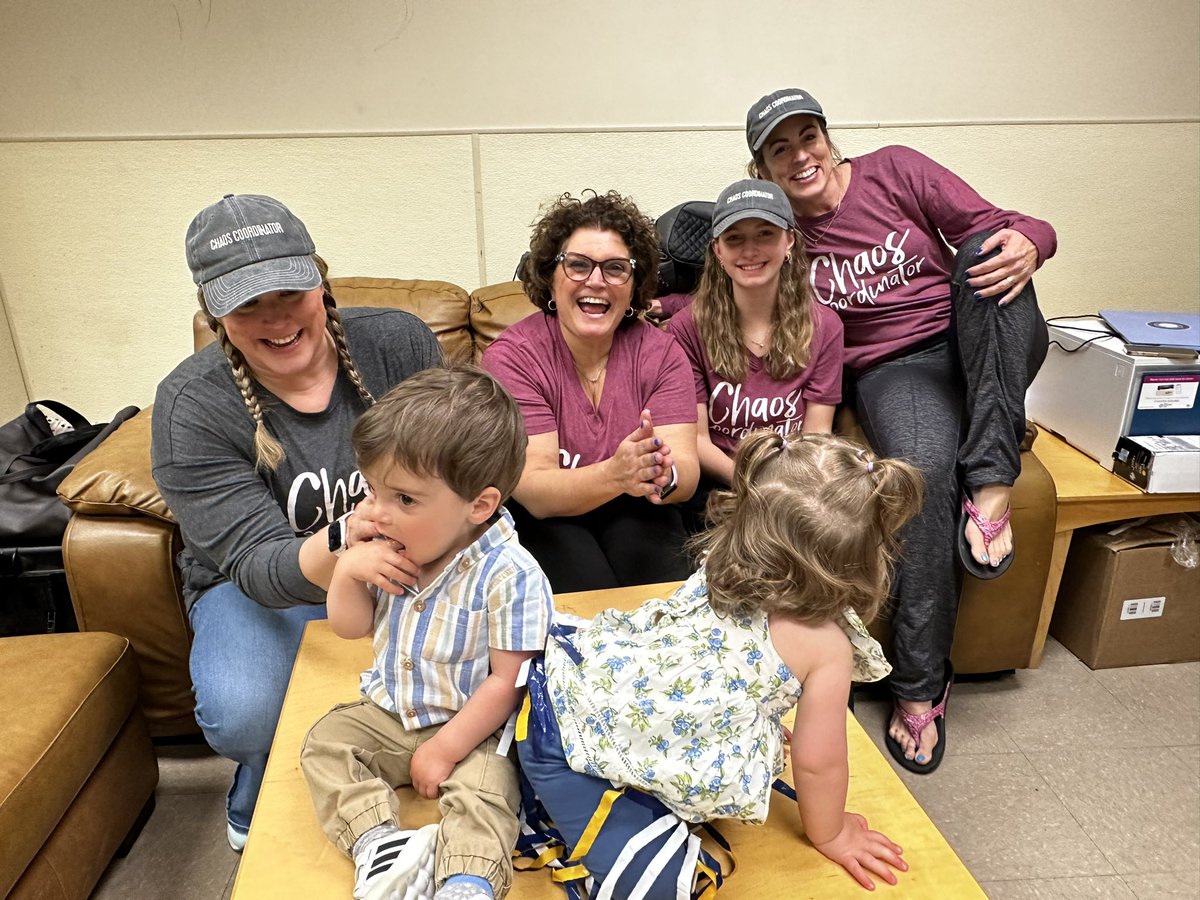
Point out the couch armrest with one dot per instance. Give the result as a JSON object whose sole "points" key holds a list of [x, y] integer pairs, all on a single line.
{"points": [[115, 478], [119, 554]]}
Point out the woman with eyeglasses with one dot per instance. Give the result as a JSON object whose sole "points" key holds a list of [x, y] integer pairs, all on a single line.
{"points": [[607, 400]]}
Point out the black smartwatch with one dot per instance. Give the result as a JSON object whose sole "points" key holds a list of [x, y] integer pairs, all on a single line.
{"points": [[338, 535], [671, 485]]}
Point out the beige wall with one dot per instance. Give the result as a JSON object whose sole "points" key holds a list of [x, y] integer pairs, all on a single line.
{"points": [[13, 395], [417, 139]]}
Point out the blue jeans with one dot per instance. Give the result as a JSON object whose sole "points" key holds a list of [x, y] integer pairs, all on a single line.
{"points": [[241, 660]]}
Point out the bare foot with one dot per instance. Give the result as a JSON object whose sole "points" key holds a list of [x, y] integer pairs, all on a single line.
{"points": [[922, 752], [991, 500]]}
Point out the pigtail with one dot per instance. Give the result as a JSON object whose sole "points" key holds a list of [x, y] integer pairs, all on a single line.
{"points": [[899, 489], [333, 324], [268, 452]]}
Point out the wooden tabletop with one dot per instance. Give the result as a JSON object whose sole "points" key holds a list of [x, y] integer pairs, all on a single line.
{"points": [[1089, 494], [288, 856]]}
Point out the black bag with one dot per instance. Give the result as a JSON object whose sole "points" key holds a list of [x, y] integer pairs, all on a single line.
{"points": [[34, 461], [684, 233]]}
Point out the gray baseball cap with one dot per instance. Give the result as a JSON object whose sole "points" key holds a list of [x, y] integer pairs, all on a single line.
{"points": [[245, 245], [751, 198], [772, 109]]}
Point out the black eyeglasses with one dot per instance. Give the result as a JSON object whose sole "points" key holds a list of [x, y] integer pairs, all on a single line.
{"points": [[578, 267]]}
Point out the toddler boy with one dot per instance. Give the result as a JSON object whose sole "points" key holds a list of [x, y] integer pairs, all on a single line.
{"points": [[440, 453]]}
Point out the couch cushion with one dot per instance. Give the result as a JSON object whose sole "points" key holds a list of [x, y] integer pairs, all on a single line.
{"points": [[114, 479], [493, 308], [439, 304], [63, 699]]}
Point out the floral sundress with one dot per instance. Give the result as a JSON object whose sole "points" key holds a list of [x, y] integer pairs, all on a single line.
{"points": [[682, 703]]}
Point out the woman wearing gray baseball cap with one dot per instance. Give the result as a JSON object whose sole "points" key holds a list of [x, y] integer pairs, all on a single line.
{"points": [[763, 355], [940, 348], [251, 450]]}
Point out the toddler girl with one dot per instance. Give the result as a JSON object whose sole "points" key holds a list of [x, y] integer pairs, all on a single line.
{"points": [[681, 699]]}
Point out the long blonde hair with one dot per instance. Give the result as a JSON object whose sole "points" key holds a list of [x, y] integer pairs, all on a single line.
{"points": [[807, 528], [716, 317], [268, 452]]}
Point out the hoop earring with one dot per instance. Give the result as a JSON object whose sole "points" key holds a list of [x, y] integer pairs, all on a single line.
{"points": [[552, 306], [787, 257], [629, 312]]}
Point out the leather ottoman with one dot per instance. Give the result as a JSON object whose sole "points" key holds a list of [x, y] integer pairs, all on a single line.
{"points": [[77, 769]]}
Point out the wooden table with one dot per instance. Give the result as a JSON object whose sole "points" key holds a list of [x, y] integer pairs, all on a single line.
{"points": [[288, 856], [1088, 494]]}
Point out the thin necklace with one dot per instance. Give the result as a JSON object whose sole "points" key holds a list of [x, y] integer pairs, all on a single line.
{"points": [[761, 345], [588, 378], [810, 239]]}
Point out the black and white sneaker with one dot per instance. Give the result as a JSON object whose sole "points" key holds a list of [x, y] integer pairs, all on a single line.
{"points": [[397, 866]]}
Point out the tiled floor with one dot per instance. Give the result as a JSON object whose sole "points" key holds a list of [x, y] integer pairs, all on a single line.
{"points": [[1060, 783]]}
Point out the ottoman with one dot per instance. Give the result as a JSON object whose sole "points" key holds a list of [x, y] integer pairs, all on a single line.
{"points": [[77, 769]]}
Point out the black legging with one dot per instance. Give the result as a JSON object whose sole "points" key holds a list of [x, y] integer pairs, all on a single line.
{"points": [[626, 541], [956, 410]]}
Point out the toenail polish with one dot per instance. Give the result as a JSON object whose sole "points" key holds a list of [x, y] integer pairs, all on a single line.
{"points": [[920, 757]]}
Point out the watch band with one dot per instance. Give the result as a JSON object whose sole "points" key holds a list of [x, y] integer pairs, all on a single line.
{"points": [[339, 534], [671, 485]]}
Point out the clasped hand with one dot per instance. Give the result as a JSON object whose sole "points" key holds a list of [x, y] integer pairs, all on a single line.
{"points": [[641, 465]]}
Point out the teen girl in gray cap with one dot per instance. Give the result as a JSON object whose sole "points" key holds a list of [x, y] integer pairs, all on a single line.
{"points": [[941, 347], [251, 450]]}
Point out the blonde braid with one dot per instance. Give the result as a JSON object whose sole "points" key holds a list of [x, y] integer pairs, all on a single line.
{"points": [[268, 452], [333, 324]]}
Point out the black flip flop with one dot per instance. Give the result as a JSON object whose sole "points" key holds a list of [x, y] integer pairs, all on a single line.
{"points": [[938, 714], [970, 564]]}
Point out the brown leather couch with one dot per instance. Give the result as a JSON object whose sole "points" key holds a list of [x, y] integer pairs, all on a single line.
{"points": [[77, 769], [120, 546]]}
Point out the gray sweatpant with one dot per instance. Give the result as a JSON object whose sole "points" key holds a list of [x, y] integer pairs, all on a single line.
{"points": [[956, 410]]}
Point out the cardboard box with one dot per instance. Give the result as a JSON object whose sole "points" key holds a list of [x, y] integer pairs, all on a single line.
{"points": [[1124, 601], [1167, 464]]}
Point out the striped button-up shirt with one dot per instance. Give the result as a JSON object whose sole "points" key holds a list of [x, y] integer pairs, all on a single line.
{"points": [[431, 646]]}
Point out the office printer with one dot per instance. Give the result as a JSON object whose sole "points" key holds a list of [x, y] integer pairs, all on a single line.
{"points": [[1092, 392]]}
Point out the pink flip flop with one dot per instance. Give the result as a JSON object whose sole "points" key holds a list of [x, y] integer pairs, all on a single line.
{"points": [[990, 531], [915, 724]]}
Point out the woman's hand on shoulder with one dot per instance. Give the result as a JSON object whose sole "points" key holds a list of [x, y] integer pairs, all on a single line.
{"points": [[861, 851], [1005, 274]]}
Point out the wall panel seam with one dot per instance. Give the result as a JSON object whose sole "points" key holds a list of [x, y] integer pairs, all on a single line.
{"points": [[475, 133]]}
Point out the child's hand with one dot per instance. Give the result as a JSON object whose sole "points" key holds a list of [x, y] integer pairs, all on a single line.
{"points": [[858, 850], [429, 768], [381, 563]]}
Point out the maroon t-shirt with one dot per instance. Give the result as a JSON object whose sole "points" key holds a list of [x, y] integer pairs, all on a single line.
{"points": [[646, 370], [878, 259], [759, 401]]}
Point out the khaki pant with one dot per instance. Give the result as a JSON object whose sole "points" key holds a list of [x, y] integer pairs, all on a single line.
{"points": [[356, 755]]}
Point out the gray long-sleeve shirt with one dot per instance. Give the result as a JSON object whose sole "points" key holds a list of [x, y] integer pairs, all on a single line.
{"points": [[244, 525]]}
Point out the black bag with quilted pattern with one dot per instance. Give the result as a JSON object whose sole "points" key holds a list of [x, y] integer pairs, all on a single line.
{"points": [[684, 233]]}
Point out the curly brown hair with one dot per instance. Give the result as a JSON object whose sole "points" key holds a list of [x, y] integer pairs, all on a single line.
{"points": [[808, 527], [605, 212]]}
